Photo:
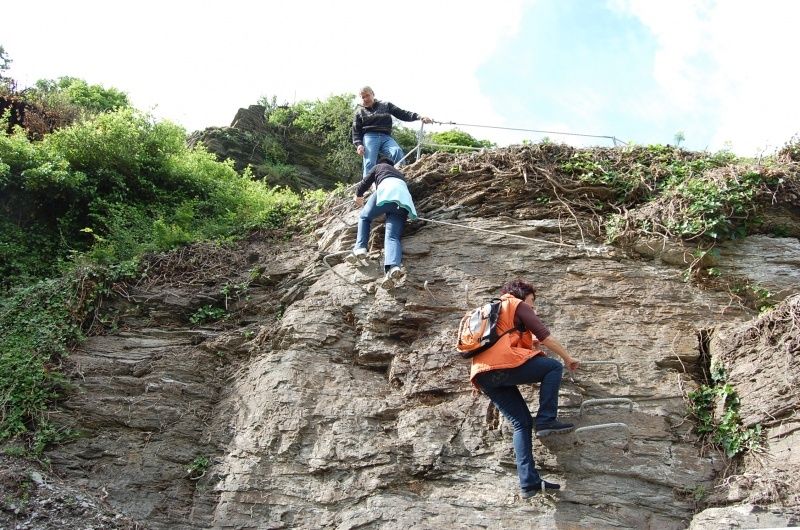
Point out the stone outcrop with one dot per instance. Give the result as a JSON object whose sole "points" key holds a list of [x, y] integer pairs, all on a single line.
{"points": [[250, 141], [763, 361], [324, 402]]}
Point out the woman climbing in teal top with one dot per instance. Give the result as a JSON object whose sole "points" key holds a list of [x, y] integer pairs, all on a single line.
{"points": [[391, 198]]}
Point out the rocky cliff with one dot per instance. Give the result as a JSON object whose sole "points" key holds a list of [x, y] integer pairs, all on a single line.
{"points": [[280, 157], [321, 401]]}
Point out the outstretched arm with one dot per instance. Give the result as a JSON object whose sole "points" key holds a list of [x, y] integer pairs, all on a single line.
{"points": [[553, 345], [405, 115]]}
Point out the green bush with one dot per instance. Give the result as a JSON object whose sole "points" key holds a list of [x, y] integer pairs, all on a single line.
{"points": [[78, 93], [455, 137], [115, 186], [39, 324], [36, 327], [326, 123]]}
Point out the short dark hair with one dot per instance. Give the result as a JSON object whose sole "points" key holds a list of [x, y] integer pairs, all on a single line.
{"points": [[518, 289], [385, 160]]}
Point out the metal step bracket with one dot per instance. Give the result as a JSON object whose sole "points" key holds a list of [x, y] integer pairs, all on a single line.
{"points": [[603, 426], [606, 401]]}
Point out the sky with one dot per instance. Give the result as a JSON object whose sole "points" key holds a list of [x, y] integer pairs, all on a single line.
{"points": [[720, 73]]}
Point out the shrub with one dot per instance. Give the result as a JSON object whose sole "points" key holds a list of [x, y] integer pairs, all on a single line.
{"points": [[39, 324], [118, 185]]}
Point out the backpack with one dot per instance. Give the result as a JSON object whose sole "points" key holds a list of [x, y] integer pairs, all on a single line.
{"points": [[477, 331]]}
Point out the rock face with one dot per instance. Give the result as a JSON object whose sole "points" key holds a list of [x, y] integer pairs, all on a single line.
{"points": [[763, 358], [328, 403], [251, 141]]}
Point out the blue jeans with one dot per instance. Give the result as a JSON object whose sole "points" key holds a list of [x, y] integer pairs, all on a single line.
{"points": [[501, 387], [380, 143], [395, 222]]}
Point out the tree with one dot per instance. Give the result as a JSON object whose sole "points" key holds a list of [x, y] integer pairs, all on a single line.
{"points": [[5, 61], [79, 93], [455, 137], [6, 84], [325, 123]]}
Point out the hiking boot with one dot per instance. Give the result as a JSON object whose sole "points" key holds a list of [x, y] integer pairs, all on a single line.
{"points": [[554, 427], [392, 278], [355, 257], [543, 486]]}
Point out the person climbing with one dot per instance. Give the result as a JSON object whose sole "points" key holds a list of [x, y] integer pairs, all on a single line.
{"points": [[393, 199], [372, 128], [516, 360]]}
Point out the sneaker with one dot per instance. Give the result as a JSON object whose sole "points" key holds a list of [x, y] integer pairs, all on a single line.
{"points": [[543, 486], [395, 273], [554, 427], [392, 278], [356, 256]]}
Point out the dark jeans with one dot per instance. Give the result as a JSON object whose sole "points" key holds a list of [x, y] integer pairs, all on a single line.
{"points": [[501, 387]]}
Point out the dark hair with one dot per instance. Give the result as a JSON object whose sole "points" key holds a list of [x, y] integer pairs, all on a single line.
{"points": [[385, 160], [518, 289]]}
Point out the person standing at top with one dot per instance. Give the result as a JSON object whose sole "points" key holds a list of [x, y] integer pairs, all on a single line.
{"points": [[516, 359], [372, 128]]}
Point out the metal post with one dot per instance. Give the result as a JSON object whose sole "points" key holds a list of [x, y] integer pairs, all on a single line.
{"points": [[420, 136]]}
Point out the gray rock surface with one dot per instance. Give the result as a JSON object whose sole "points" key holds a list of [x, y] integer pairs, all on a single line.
{"points": [[332, 404]]}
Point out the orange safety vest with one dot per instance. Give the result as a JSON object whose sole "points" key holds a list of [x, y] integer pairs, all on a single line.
{"points": [[513, 348]]}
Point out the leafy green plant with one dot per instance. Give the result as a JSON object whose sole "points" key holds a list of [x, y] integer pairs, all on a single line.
{"points": [[38, 326], [198, 467], [326, 123], [207, 313], [726, 430], [230, 290], [591, 170]]}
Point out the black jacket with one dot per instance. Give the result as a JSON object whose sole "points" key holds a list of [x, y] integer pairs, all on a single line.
{"points": [[378, 118], [378, 174]]}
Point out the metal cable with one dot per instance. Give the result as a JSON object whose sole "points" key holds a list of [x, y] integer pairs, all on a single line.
{"points": [[497, 232], [612, 138]]}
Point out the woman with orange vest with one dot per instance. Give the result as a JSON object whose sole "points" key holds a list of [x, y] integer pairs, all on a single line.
{"points": [[516, 360]]}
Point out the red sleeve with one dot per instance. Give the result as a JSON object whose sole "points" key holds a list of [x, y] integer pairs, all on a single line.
{"points": [[527, 318]]}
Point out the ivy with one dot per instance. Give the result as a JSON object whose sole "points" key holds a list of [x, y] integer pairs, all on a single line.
{"points": [[724, 430]]}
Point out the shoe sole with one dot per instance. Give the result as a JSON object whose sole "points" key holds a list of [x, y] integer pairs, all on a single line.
{"points": [[387, 284], [352, 259], [548, 432], [534, 493]]}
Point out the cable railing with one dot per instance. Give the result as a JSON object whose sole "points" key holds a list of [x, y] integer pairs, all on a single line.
{"points": [[417, 150]]}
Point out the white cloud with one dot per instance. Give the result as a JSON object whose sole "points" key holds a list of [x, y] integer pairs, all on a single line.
{"points": [[197, 62], [731, 60]]}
